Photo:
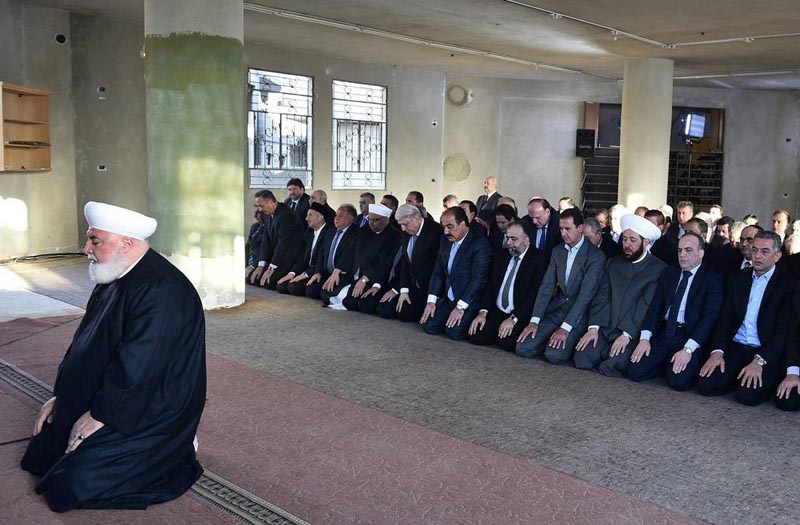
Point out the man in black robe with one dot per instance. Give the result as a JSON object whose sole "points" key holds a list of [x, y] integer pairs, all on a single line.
{"points": [[130, 391]]}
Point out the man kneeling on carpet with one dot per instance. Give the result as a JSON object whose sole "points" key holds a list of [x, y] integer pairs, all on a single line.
{"points": [[131, 388]]}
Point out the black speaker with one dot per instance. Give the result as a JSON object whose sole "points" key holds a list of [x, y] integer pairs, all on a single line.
{"points": [[584, 143]]}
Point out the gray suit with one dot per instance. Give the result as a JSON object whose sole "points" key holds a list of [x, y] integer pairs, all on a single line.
{"points": [[565, 301], [620, 306]]}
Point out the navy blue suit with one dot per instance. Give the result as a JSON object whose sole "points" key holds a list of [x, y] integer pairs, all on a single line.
{"points": [[703, 303], [552, 235], [772, 329], [467, 277]]}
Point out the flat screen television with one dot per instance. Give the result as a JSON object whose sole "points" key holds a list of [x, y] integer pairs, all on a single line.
{"points": [[694, 126]]}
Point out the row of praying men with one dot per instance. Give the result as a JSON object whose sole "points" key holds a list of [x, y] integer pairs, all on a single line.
{"points": [[554, 285]]}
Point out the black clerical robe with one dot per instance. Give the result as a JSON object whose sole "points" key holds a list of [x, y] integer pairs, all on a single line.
{"points": [[137, 362]]}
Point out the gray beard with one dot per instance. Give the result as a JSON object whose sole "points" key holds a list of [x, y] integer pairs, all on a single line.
{"points": [[107, 272]]}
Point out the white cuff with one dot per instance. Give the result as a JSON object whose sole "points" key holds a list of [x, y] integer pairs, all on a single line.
{"points": [[718, 351], [273, 266], [535, 320], [626, 334], [793, 371], [262, 264], [376, 285], [432, 298], [692, 345], [461, 305], [645, 335], [403, 290], [483, 311], [759, 356], [594, 327], [567, 327]]}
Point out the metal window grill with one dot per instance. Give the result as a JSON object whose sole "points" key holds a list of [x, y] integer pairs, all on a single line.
{"points": [[359, 136], [279, 128]]}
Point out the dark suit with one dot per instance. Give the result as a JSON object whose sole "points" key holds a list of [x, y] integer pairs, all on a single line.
{"points": [[564, 301], [790, 264], [329, 214], [305, 264], [703, 303], [552, 232], [528, 278], [415, 273], [772, 331], [300, 208], [666, 249], [609, 247], [792, 356], [373, 262], [466, 278], [342, 260], [731, 261], [486, 206], [619, 306], [361, 220], [283, 243]]}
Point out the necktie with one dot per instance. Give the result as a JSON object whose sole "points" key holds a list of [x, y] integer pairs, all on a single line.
{"points": [[747, 264], [293, 205], [541, 244], [672, 318], [505, 242], [453, 251], [332, 253], [504, 298], [411, 241]]}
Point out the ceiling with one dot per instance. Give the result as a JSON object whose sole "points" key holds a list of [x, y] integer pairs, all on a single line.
{"points": [[504, 38]]}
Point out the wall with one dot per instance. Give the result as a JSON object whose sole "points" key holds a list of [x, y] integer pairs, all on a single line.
{"points": [[32, 58], [109, 126], [519, 131], [415, 100]]}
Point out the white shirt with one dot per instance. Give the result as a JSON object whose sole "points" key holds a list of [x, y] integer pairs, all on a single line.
{"points": [[499, 301]]}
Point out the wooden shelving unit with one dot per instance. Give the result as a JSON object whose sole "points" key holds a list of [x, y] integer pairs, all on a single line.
{"points": [[696, 177], [25, 135]]}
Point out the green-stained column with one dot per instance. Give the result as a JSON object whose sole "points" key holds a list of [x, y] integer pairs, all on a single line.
{"points": [[646, 124], [194, 78]]}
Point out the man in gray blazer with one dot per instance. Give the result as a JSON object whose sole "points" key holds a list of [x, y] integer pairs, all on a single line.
{"points": [[572, 279], [619, 307]]}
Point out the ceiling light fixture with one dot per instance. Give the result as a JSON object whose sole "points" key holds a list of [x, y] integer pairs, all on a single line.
{"points": [[632, 36]]}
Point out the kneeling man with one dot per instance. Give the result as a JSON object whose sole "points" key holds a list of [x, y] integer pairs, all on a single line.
{"points": [[131, 388]]}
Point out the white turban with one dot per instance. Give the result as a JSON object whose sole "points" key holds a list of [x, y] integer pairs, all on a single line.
{"points": [[642, 226], [121, 221], [380, 209]]}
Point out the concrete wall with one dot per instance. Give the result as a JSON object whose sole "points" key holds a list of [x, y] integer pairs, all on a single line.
{"points": [[109, 126], [523, 132], [415, 100], [46, 199]]}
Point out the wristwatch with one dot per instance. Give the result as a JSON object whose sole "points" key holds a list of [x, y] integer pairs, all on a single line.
{"points": [[364, 280], [513, 318], [688, 350], [760, 360]]}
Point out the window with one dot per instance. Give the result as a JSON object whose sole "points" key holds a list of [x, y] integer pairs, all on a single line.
{"points": [[359, 136], [279, 123]]}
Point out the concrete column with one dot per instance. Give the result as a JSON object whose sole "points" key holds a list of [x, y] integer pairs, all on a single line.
{"points": [[646, 125], [195, 96]]}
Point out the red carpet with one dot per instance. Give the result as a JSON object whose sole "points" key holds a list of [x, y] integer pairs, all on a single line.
{"points": [[332, 461]]}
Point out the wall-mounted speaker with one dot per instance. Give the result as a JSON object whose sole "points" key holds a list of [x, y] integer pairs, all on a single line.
{"points": [[584, 143]]}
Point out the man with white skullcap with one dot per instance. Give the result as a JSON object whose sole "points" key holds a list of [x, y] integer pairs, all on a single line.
{"points": [[375, 250], [619, 307], [131, 388]]}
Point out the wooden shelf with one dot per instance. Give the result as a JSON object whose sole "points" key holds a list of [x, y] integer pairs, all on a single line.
{"points": [[25, 114], [697, 178]]}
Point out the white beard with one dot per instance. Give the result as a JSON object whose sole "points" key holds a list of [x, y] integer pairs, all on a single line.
{"points": [[107, 272]]}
